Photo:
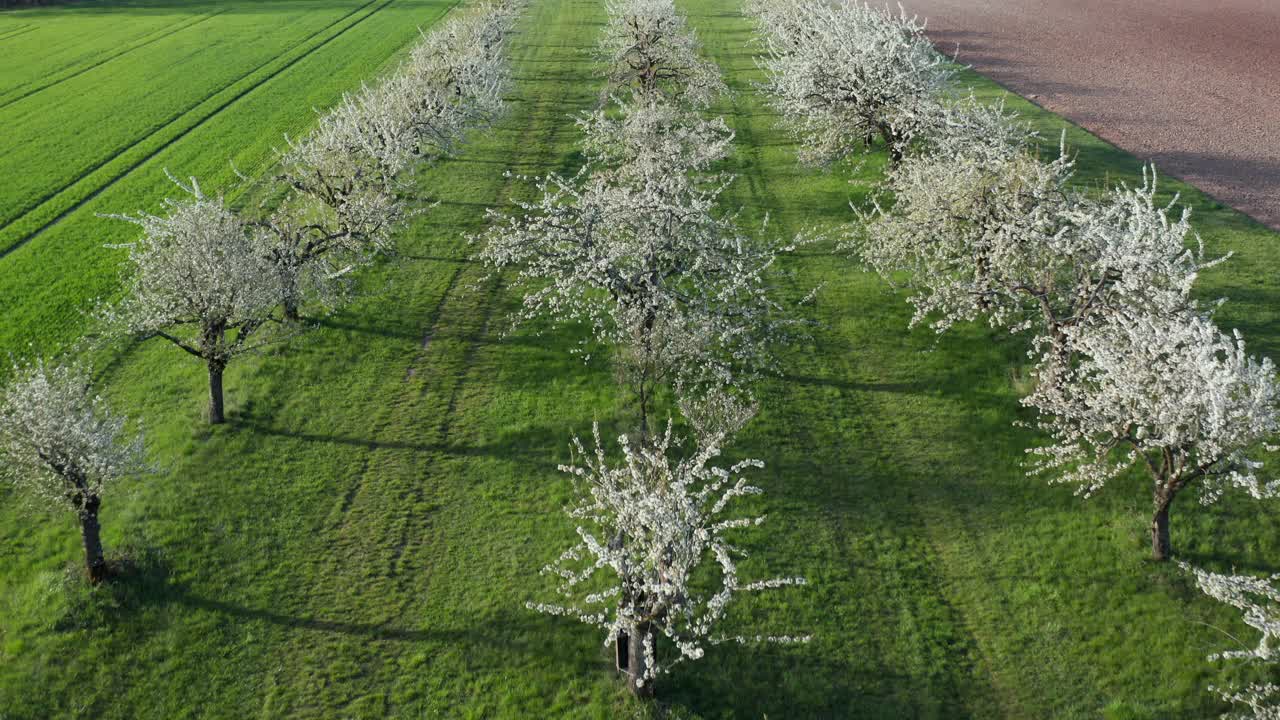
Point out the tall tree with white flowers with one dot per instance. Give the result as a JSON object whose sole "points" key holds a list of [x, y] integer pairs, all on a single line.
{"points": [[843, 73], [635, 247], [1171, 394], [648, 48], [1258, 601], [650, 528], [64, 446], [200, 280]]}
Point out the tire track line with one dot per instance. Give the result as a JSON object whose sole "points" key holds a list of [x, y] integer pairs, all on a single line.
{"points": [[341, 525], [166, 31], [17, 31], [453, 369], [214, 112], [547, 105]]}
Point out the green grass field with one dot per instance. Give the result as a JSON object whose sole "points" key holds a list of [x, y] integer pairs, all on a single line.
{"points": [[360, 539]]}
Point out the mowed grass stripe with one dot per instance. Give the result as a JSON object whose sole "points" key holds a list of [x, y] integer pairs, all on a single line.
{"points": [[23, 92], [905, 650], [383, 539], [57, 205]]}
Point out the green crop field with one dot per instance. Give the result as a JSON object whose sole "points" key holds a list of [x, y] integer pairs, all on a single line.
{"points": [[360, 539], [98, 101]]}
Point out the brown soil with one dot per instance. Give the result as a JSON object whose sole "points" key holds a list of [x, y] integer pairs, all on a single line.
{"points": [[1192, 85]]}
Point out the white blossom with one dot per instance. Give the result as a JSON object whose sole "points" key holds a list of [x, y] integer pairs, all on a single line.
{"points": [[1170, 393], [1259, 603], [345, 183], [647, 47], [975, 232], [634, 246], [199, 279], [648, 136], [649, 527], [60, 442], [842, 73], [63, 445], [986, 229]]}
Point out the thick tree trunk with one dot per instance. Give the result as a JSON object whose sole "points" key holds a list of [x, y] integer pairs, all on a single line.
{"points": [[621, 645], [1161, 547], [216, 415], [636, 664], [91, 533]]}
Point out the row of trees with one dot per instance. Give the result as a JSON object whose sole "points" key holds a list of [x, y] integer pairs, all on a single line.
{"points": [[218, 282], [1131, 371], [637, 248]]}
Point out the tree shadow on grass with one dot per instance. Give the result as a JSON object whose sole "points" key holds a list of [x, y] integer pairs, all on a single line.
{"points": [[795, 681], [526, 446], [138, 576], [143, 577]]}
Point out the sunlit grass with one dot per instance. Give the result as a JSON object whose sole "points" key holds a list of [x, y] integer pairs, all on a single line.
{"points": [[360, 539]]}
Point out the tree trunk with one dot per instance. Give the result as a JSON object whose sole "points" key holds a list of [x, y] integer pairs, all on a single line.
{"points": [[1161, 547], [636, 664], [291, 309], [621, 644], [90, 532], [216, 416], [646, 365], [892, 141]]}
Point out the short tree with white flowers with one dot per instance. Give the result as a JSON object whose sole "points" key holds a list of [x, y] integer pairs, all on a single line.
{"points": [[648, 48], [64, 446], [968, 223], [1258, 600], [842, 73], [635, 247], [345, 183], [650, 526], [1169, 393], [200, 280]]}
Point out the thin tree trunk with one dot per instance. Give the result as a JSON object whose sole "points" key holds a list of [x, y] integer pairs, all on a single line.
{"points": [[646, 392], [891, 140], [91, 533], [216, 415], [1161, 546]]}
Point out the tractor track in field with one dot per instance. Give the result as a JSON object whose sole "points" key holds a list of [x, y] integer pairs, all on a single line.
{"points": [[166, 31], [340, 524], [464, 374], [16, 32], [212, 113], [463, 310], [545, 105]]}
